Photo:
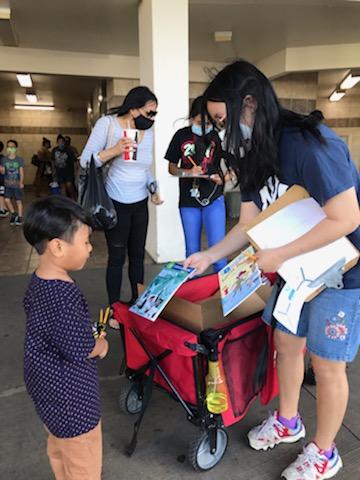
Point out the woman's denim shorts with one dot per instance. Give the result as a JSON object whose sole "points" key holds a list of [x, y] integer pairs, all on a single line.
{"points": [[330, 323]]}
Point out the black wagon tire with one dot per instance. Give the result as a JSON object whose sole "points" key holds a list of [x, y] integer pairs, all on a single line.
{"points": [[199, 454], [129, 400]]}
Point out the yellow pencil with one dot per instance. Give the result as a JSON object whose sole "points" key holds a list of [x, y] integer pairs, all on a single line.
{"points": [[101, 316], [106, 316], [250, 256]]}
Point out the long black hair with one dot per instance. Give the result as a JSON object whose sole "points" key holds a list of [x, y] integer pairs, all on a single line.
{"points": [[136, 98], [254, 163]]}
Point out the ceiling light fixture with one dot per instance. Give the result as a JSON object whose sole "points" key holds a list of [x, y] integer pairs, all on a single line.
{"points": [[31, 96], [224, 36], [336, 95], [100, 98], [24, 79], [350, 80], [19, 106], [89, 109]]}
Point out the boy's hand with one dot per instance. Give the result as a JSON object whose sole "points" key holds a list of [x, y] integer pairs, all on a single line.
{"points": [[104, 347]]}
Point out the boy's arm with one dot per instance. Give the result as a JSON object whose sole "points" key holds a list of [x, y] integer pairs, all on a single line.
{"points": [[21, 177], [101, 348]]}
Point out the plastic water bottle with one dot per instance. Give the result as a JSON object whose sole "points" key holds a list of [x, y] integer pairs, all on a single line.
{"points": [[216, 389]]}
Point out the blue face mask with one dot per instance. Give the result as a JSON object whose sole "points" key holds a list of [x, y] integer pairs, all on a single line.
{"points": [[197, 129]]}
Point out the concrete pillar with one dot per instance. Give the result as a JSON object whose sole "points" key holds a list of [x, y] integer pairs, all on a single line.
{"points": [[164, 68]]}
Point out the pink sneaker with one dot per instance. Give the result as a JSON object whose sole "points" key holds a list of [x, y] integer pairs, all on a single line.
{"points": [[313, 464], [272, 432]]}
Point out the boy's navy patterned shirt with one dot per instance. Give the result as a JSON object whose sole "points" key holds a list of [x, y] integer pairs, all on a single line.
{"points": [[60, 378]]}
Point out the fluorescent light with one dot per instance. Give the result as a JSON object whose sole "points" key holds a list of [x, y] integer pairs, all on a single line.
{"points": [[24, 79], [31, 97], [350, 81], [18, 106], [89, 110], [336, 95], [100, 98], [224, 36]]}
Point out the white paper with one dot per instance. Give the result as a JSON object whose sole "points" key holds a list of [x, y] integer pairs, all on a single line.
{"points": [[290, 223], [289, 305]]}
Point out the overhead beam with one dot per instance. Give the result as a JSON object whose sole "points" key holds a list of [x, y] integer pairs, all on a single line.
{"points": [[8, 36], [313, 58], [56, 62]]}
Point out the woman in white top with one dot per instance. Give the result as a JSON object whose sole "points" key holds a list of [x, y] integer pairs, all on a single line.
{"points": [[128, 182]]}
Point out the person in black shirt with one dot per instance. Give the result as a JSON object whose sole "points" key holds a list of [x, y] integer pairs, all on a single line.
{"points": [[64, 162], [195, 159]]}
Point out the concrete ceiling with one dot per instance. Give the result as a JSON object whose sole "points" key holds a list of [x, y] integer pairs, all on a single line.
{"points": [[260, 27]]}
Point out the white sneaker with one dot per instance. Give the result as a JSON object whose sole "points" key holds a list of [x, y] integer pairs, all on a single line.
{"points": [[272, 432], [313, 464]]}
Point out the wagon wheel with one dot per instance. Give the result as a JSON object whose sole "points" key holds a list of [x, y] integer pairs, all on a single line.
{"points": [[130, 401], [199, 454]]}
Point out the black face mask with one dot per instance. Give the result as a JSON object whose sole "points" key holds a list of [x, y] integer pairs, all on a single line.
{"points": [[143, 123]]}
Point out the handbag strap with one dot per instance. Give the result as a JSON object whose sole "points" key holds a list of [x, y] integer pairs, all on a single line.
{"points": [[109, 143]]}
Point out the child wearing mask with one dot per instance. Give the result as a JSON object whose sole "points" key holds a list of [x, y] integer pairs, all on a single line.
{"points": [[12, 167], [60, 351], [201, 201]]}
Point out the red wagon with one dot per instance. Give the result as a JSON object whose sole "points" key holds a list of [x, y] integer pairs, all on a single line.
{"points": [[176, 360]]}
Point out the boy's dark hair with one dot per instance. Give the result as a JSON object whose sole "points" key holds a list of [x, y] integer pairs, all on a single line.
{"points": [[12, 141], [1, 146], [53, 217], [60, 137]]}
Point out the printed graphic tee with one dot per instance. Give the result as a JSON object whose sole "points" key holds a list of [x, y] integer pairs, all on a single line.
{"points": [[12, 171], [183, 146]]}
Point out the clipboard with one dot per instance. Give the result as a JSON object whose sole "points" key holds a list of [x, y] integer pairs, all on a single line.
{"points": [[294, 194]]}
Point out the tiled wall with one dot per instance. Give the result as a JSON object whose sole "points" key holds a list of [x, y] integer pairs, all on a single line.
{"points": [[29, 127], [299, 92]]}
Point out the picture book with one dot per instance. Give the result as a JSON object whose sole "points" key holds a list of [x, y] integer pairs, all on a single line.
{"points": [[159, 292], [239, 279]]}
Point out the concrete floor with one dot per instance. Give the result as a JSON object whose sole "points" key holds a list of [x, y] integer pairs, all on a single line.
{"points": [[165, 433]]}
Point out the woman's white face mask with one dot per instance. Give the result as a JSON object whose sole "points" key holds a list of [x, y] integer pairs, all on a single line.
{"points": [[246, 131]]}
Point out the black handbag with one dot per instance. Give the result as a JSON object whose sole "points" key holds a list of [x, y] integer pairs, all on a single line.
{"points": [[94, 198]]}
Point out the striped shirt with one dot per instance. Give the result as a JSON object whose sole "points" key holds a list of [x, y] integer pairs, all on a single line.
{"points": [[126, 181]]}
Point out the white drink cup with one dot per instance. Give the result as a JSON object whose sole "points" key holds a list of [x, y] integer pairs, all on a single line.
{"points": [[130, 153]]}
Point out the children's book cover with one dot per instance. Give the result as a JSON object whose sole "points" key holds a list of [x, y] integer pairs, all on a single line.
{"points": [[239, 279], [160, 291]]}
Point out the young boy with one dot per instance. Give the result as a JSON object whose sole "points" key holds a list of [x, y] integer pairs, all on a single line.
{"points": [[12, 167], [60, 351]]}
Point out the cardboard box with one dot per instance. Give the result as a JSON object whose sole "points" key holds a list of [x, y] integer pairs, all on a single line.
{"points": [[208, 313]]}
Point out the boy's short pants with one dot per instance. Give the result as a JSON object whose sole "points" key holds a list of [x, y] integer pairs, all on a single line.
{"points": [[78, 457], [330, 323], [14, 192]]}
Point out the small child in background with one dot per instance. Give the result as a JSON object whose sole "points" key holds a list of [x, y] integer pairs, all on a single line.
{"points": [[60, 368], [12, 167], [3, 211]]}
